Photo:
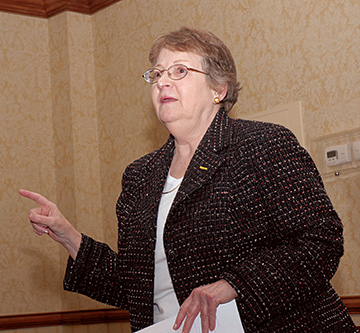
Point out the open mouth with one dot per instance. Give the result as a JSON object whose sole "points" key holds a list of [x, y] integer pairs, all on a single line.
{"points": [[166, 99]]}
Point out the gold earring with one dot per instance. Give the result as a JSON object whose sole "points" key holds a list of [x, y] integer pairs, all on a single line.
{"points": [[216, 100]]}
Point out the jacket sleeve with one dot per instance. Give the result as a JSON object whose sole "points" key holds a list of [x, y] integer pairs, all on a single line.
{"points": [[98, 271], [298, 242]]}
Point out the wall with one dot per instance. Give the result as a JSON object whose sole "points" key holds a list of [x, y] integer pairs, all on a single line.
{"points": [[29, 269], [75, 112], [48, 121]]}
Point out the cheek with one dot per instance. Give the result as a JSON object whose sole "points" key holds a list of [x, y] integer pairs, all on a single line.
{"points": [[154, 96]]}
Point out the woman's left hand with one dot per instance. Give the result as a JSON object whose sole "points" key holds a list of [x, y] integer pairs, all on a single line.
{"points": [[204, 300]]}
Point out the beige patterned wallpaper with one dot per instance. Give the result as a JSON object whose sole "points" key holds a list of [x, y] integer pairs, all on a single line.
{"points": [[74, 112], [29, 267]]}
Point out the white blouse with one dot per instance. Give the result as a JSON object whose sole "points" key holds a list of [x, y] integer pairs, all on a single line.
{"points": [[166, 304]]}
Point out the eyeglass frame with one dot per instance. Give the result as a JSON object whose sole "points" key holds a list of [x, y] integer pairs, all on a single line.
{"points": [[161, 71]]}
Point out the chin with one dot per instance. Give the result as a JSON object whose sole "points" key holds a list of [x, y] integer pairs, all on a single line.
{"points": [[167, 116]]}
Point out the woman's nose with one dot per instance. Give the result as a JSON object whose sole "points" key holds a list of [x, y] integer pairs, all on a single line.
{"points": [[164, 80]]}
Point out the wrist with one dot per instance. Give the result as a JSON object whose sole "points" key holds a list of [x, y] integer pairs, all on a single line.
{"points": [[72, 243]]}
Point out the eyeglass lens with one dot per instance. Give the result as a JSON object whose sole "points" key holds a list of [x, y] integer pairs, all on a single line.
{"points": [[175, 72]]}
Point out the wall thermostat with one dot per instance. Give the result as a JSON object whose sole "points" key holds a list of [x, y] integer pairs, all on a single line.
{"points": [[336, 155]]}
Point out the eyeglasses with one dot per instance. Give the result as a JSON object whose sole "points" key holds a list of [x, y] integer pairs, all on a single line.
{"points": [[175, 72]]}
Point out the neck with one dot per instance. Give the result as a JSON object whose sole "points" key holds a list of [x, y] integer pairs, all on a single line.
{"points": [[180, 162], [186, 143], [189, 133]]}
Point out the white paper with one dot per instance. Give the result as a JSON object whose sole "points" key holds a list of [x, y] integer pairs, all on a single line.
{"points": [[227, 320]]}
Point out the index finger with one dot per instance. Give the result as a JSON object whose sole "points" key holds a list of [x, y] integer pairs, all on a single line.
{"points": [[38, 198]]}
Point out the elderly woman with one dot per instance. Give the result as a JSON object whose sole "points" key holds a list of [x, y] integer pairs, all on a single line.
{"points": [[226, 209]]}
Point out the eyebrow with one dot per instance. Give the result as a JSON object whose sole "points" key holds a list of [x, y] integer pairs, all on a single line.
{"points": [[177, 62]]}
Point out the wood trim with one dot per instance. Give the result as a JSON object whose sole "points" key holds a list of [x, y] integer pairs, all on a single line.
{"points": [[352, 303], [48, 8], [88, 317], [84, 317]]}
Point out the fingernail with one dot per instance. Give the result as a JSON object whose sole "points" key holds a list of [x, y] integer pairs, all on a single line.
{"points": [[175, 327]]}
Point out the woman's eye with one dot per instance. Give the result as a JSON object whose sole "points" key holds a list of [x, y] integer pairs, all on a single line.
{"points": [[180, 70]]}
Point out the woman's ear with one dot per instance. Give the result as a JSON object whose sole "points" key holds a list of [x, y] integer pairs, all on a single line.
{"points": [[223, 93], [220, 93]]}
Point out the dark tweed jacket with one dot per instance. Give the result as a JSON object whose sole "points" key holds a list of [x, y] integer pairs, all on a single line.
{"points": [[251, 209]]}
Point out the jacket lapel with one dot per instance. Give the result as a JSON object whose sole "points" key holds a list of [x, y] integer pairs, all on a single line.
{"points": [[156, 170], [207, 157], [205, 162]]}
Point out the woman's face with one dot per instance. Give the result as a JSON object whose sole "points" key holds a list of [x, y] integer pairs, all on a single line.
{"points": [[188, 102]]}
